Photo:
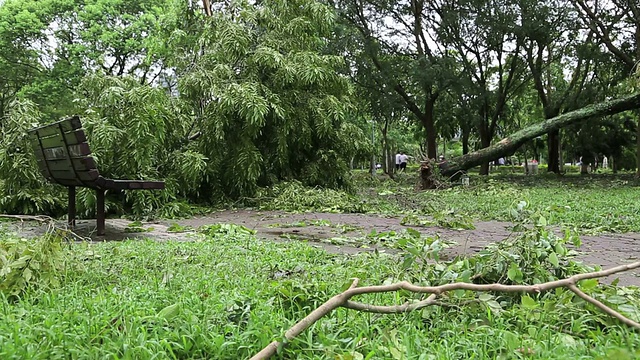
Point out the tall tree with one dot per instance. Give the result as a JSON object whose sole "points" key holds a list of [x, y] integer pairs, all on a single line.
{"points": [[488, 45], [398, 41], [270, 102], [616, 25], [558, 52]]}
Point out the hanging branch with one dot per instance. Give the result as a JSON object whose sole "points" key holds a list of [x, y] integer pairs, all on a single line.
{"points": [[342, 300]]}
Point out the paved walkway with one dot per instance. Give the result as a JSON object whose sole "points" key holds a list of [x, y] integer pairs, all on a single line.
{"points": [[605, 250]]}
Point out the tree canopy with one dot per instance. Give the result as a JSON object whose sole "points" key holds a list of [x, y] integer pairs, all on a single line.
{"points": [[221, 99]]}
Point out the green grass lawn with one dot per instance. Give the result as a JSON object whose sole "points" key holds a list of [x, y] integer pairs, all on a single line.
{"points": [[228, 295], [595, 203]]}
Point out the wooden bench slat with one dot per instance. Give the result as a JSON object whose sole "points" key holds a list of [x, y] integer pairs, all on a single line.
{"points": [[76, 151], [72, 138], [129, 184], [71, 124], [66, 182], [80, 164], [69, 174]]}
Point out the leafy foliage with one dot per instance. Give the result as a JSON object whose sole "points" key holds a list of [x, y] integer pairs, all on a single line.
{"points": [[295, 197], [23, 189], [254, 86], [272, 103], [26, 264]]}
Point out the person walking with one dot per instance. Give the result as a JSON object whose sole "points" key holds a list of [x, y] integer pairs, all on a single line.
{"points": [[403, 160], [397, 161]]}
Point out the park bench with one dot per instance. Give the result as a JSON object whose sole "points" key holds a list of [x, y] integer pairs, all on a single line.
{"points": [[64, 158]]}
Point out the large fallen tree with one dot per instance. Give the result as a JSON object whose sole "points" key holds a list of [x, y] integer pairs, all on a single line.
{"points": [[510, 144]]}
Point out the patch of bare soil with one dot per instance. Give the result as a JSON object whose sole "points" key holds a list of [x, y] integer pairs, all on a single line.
{"points": [[318, 228]]}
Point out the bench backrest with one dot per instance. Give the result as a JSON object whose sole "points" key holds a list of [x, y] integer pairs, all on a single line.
{"points": [[63, 153]]}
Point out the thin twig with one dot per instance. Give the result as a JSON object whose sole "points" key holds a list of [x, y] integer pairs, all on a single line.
{"points": [[605, 309], [342, 299], [51, 224], [39, 218]]}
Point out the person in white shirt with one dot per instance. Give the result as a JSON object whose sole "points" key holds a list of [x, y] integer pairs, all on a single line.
{"points": [[398, 161], [403, 160]]}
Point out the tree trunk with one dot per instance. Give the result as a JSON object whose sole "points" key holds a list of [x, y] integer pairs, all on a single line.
{"points": [[485, 142], [510, 144], [385, 147], [638, 145], [207, 7], [465, 140], [553, 146], [429, 127], [560, 153], [584, 168], [637, 112]]}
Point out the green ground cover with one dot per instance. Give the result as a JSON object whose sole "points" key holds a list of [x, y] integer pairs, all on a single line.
{"points": [[227, 294]]}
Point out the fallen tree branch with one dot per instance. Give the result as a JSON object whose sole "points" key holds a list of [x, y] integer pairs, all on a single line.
{"points": [[39, 218], [605, 309], [393, 309], [51, 224], [511, 143], [342, 300]]}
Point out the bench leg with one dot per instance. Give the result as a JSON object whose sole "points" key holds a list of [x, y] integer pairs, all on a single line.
{"points": [[100, 218], [72, 206]]}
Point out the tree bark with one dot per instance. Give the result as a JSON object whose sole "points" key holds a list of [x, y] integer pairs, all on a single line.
{"points": [[428, 122], [207, 7], [510, 144], [485, 142], [553, 156], [385, 146], [638, 145], [465, 140], [636, 12]]}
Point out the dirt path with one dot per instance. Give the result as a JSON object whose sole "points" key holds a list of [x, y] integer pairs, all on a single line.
{"points": [[319, 228]]}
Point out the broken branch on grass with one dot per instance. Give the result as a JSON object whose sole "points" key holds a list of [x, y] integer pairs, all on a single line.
{"points": [[39, 218], [393, 309], [604, 308], [51, 224], [342, 300]]}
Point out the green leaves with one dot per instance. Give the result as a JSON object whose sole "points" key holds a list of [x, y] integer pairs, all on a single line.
{"points": [[27, 264], [514, 274], [553, 259]]}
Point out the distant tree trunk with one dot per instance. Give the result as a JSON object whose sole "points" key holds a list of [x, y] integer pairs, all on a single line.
{"points": [[428, 122], [638, 145], [444, 147], [485, 142], [465, 139], [614, 164], [560, 153], [207, 7], [553, 146], [637, 112], [385, 146], [510, 144]]}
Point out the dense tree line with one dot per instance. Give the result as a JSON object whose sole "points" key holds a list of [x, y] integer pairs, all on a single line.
{"points": [[221, 98]]}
